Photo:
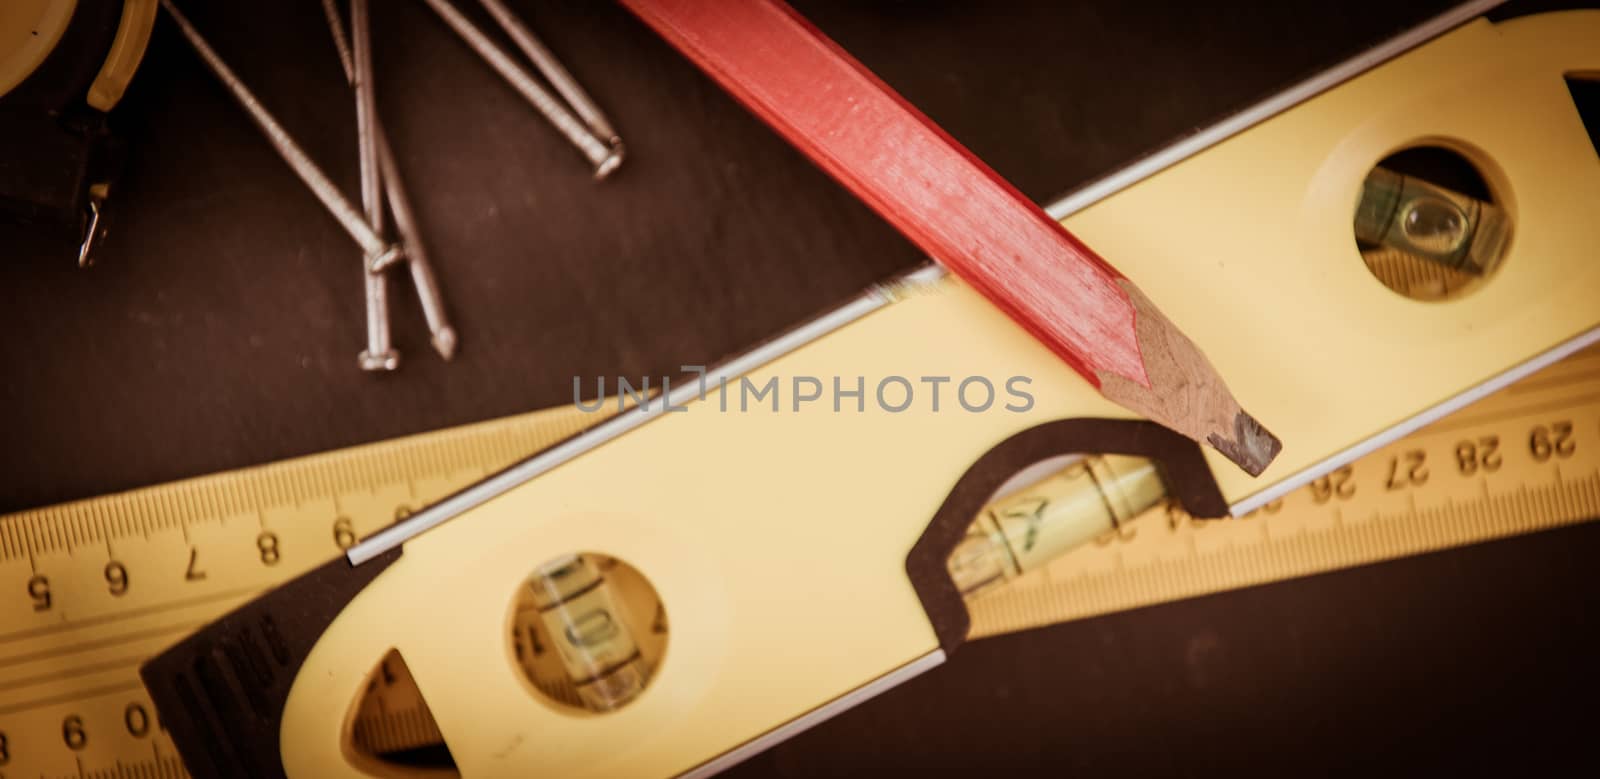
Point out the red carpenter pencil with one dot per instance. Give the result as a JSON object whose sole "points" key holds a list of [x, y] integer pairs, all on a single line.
{"points": [[961, 213]]}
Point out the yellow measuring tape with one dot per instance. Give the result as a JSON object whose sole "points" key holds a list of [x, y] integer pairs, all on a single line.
{"points": [[88, 590]]}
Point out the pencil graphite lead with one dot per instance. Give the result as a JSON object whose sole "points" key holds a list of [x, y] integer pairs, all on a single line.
{"points": [[1252, 447], [1181, 389]]}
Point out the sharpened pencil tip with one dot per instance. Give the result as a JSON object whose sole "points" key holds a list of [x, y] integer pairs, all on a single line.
{"points": [[1253, 447]]}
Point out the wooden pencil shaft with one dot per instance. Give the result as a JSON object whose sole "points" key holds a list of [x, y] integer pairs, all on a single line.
{"points": [[960, 212], [935, 192]]}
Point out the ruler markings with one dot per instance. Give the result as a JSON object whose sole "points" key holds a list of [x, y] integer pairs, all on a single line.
{"points": [[1387, 537], [36, 541], [155, 768], [111, 524], [149, 509], [31, 538], [275, 494], [358, 469]]}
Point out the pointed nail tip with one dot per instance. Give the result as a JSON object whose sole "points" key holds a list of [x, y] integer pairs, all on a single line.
{"points": [[445, 343]]}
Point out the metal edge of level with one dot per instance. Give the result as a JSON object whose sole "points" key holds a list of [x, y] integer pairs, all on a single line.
{"points": [[670, 399], [1427, 417], [882, 295], [816, 716]]}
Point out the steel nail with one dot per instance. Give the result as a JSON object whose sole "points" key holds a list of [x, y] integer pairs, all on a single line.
{"points": [[341, 40], [380, 354], [605, 158], [582, 104], [377, 250], [422, 277]]}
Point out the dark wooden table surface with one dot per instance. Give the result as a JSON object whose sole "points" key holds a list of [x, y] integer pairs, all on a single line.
{"points": [[220, 328]]}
